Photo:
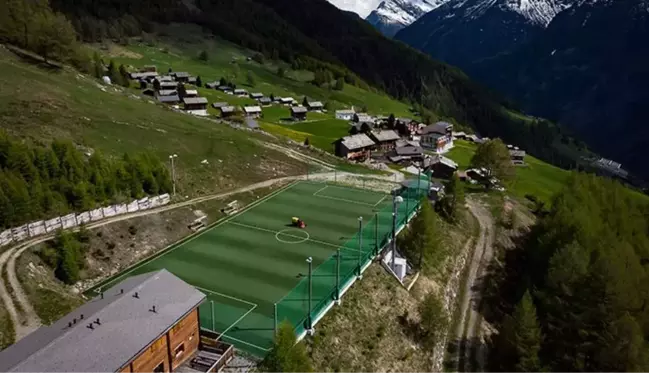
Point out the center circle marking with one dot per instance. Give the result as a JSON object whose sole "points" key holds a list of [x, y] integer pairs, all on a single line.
{"points": [[292, 238]]}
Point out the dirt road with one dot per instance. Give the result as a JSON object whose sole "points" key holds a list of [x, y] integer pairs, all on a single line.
{"points": [[470, 329], [24, 317]]}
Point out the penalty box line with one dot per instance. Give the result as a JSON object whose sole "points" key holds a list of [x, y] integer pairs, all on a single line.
{"points": [[317, 194]]}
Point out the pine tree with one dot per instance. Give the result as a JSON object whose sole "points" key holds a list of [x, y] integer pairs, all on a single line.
{"points": [[391, 121], [421, 243], [433, 320], [98, 66], [340, 84], [305, 101], [124, 76], [527, 336], [113, 73], [454, 198], [286, 355], [199, 81], [203, 56], [281, 72]]}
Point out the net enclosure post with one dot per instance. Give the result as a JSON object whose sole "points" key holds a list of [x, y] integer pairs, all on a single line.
{"points": [[360, 245], [309, 323], [275, 317], [376, 233], [212, 313], [338, 276]]}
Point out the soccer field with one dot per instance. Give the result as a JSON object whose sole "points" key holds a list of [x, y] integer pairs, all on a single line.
{"points": [[255, 259]]}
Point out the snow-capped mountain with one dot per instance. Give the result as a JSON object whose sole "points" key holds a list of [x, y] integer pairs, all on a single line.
{"points": [[393, 15], [462, 32]]}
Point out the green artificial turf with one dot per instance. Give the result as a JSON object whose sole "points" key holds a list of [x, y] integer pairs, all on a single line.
{"points": [[247, 263]]}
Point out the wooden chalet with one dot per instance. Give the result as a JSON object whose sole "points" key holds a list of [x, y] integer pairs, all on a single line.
{"points": [[146, 323], [298, 112], [252, 111], [385, 139], [354, 147]]}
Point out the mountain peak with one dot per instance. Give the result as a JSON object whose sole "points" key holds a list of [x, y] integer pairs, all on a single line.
{"points": [[392, 15]]}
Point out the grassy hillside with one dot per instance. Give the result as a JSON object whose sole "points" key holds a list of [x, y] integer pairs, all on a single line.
{"points": [[179, 52], [536, 178], [41, 104]]}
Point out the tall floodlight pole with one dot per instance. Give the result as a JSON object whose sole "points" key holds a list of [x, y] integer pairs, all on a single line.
{"points": [[309, 323], [338, 276], [173, 171], [360, 244], [397, 200], [275, 317], [376, 233]]}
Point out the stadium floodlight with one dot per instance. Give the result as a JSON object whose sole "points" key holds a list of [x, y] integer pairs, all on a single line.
{"points": [[173, 171]]}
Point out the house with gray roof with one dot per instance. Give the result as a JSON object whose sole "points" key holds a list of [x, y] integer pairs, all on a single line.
{"points": [[315, 105], [252, 111], [123, 329], [438, 137], [441, 166], [385, 139], [354, 147], [345, 114], [298, 112], [227, 111], [256, 95], [196, 105]]}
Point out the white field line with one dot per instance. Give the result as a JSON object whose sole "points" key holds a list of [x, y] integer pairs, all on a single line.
{"points": [[225, 220], [290, 235], [247, 343], [381, 200], [226, 296], [320, 190], [239, 319]]}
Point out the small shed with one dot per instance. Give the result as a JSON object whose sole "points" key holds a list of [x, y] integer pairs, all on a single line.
{"points": [[227, 111], [315, 105], [181, 76], [218, 105], [195, 103], [252, 111], [298, 112], [265, 101], [240, 92], [256, 95]]}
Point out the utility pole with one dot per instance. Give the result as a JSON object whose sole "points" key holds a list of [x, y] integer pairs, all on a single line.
{"points": [[309, 322], [173, 171]]}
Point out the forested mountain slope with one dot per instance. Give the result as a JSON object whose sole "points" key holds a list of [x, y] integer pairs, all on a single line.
{"points": [[316, 34]]}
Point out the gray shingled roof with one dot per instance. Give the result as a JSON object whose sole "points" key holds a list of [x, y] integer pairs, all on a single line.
{"points": [[168, 85], [194, 100], [218, 105], [345, 112], [228, 109], [181, 74], [298, 110], [169, 99], [385, 135], [409, 150], [316, 104], [439, 127], [440, 159], [256, 95], [357, 141], [265, 100], [252, 109], [126, 326]]}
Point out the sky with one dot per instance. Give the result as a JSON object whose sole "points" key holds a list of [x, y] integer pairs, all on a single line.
{"points": [[362, 7]]}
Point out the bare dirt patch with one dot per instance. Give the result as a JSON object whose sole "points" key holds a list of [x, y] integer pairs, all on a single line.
{"points": [[114, 50]]}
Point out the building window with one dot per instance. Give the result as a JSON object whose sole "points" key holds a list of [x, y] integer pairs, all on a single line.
{"points": [[179, 351], [160, 368]]}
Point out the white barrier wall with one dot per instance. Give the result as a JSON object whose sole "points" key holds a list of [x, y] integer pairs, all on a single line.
{"points": [[20, 233], [83, 217], [41, 227], [133, 206], [96, 214], [69, 221], [144, 203], [36, 228], [6, 237], [164, 199], [53, 224], [108, 211], [121, 209]]}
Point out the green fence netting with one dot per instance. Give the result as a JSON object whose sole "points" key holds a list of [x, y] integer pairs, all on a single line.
{"points": [[335, 273]]}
